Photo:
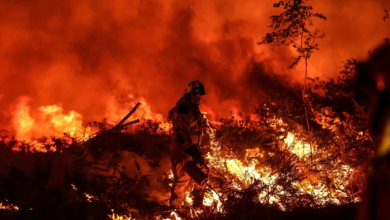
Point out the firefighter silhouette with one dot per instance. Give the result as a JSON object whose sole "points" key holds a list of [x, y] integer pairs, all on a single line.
{"points": [[374, 78], [188, 124]]}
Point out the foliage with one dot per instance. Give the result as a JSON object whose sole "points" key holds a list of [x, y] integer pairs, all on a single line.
{"points": [[291, 27]]}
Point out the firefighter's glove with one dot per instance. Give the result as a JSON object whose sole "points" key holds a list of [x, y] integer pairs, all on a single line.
{"points": [[192, 150], [199, 160], [197, 157]]}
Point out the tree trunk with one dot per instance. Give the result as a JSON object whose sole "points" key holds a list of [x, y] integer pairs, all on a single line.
{"points": [[305, 104], [304, 97]]}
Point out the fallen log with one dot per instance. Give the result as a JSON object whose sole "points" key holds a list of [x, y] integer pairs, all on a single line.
{"points": [[120, 125], [108, 141], [127, 116], [125, 125]]}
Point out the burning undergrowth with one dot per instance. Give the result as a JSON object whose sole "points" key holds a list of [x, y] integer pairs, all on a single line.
{"points": [[261, 165]]}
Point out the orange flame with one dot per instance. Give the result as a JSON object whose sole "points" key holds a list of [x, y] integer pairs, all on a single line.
{"points": [[50, 121], [8, 207]]}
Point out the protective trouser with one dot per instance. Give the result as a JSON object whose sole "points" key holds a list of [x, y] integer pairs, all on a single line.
{"points": [[181, 180]]}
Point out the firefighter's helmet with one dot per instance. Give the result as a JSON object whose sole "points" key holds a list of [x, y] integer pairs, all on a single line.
{"points": [[195, 85]]}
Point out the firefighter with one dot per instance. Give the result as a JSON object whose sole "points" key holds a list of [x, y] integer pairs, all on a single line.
{"points": [[186, 138], [374, 78]]}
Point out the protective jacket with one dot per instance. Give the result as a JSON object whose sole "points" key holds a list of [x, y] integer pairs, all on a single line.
{"points": [[187, 128]]}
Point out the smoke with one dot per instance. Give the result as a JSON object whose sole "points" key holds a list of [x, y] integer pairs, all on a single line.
{"points": [[80, 54]]}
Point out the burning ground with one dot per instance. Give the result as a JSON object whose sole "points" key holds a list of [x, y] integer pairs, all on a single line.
{"points": [[71, 71]]}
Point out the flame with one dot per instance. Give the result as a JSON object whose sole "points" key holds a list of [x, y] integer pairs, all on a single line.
{"points": [[50, 121], [119, 217], [296, 146], [90, 198], [210, 197], [22, 121], [174, 214], [74, 187], [8, 207], [170, 175], [113, 216], [250, 172], [60, 123]]}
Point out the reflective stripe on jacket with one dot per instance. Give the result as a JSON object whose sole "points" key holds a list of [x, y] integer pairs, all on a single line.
{"points": [[187, 128]]}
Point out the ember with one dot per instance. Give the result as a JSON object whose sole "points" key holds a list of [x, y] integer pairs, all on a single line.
{"points": [[10, 207]]}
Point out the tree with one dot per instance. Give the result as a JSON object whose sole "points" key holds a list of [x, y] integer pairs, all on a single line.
{"points": [[292, 27]]}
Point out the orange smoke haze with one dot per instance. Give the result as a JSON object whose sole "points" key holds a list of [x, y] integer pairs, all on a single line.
{"points": [[80, 58]]}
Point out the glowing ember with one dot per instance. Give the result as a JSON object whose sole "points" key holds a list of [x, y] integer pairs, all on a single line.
{"points": [[89, 197], [119, 217], [74, 187], [10, 207], [170, 175], [174, 214]]}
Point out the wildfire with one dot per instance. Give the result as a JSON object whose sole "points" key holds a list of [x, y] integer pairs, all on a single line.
{"points": [[81, 52], [248, 171], [324, 188]]}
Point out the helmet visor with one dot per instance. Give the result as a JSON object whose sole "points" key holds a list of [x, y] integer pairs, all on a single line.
{"points": [[197, 91]]}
